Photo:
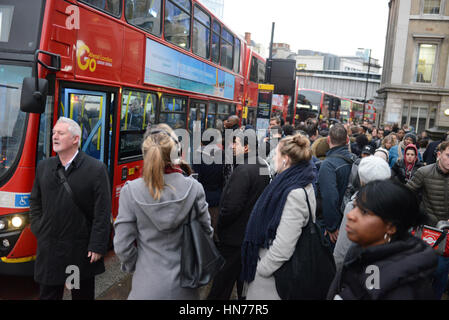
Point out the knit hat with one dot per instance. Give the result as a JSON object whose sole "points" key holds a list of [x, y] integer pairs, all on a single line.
{"points": [[373, 168], [382, 153], [368, 149], [412, 136]]}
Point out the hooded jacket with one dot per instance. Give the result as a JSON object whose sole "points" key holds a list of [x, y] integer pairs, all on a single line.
{"points": [[399, 170], [397, 152], [157, 228], [400, 270]]}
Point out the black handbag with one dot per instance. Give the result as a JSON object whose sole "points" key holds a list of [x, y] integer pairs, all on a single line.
{"points": [[308, 274], [200, 258]]}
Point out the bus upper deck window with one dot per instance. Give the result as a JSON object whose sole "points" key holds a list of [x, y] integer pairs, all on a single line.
{"points": [[112, 7], [145, 14]]}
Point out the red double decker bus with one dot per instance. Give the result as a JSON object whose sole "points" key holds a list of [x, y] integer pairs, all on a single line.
{"points": [[254, 73], [114, 66], [317, 104]]}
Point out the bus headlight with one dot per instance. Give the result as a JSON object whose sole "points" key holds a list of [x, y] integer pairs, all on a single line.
{"points": [[3, 225], [17, 222]]}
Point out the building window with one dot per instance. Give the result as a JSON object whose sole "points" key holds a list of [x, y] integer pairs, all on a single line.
{"points": [[177, 22], [144, 14], [405, 113], [201, 33], [432, 7], [426, 62]]}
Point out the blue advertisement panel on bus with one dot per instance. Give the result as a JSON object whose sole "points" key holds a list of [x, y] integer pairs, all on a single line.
{"points": [[167, 67]]}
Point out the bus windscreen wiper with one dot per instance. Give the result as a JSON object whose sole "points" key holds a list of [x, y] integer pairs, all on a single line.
{"points": [[8, 87]]}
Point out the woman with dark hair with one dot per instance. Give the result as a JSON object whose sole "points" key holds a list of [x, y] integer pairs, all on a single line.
{"points": [[387, 262], [360, 141], [404, 169]]}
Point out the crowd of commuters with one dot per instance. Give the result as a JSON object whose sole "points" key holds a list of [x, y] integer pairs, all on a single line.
{"points": [[366, 188]]}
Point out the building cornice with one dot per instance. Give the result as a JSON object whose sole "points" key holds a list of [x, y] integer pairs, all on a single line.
{"points": [[413, 90], [430, 17]]}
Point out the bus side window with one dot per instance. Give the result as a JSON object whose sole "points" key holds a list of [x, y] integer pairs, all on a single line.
{"points": [[254, 70], [177, 22], [45, 131], [138, 110], [112, 7], [145, 14]]}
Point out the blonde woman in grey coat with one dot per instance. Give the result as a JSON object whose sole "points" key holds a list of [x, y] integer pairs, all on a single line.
{"points": [[148, 228], [278, 217]]}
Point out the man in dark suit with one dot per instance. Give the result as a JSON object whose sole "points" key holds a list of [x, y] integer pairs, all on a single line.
{"points": [[70, 208]]}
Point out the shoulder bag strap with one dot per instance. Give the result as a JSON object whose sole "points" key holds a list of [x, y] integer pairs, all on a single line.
{"points": [[308, 205], [70, 192], [440, 238]]}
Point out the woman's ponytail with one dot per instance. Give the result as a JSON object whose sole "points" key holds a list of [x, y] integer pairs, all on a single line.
{"points": [[157, 149], [153, 168]]}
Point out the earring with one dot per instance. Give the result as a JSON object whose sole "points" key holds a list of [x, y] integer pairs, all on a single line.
{"points": [[283, 162], [387, 238]]}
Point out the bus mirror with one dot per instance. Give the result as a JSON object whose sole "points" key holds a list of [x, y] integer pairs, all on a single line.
{"points": [[34, 95]]}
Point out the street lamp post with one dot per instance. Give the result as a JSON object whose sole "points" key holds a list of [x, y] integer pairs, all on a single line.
{"points": [[366, 86]]}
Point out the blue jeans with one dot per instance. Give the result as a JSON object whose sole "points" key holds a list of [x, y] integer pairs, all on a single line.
{"points": [[440, 277]]}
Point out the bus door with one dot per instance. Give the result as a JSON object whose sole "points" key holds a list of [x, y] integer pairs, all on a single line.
{"points": [[89, 109]]}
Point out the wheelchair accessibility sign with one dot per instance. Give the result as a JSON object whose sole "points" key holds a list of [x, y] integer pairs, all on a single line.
{"points": [[14, 200], [22, 201]]}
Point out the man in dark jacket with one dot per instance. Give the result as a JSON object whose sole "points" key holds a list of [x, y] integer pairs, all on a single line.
{"points": [[432, 182], [430, 155], [230, 125], [239, 196], [333, 179], [70, 208]]}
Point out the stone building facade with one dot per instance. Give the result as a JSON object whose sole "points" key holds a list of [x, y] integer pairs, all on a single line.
{"points": [[415, 81]]}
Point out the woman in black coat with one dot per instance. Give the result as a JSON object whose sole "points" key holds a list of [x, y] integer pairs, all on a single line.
{"points": [[387, 263], [404, 169]]}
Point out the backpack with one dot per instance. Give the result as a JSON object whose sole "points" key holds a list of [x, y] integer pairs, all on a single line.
{"points": [[353, 182]]}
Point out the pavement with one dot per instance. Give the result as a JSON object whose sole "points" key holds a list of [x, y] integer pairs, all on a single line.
{"points": [[121, 289], [108, 284], [115, 284]]}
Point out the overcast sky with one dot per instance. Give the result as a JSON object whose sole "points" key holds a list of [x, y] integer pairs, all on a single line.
{"points": [[333, 26]]}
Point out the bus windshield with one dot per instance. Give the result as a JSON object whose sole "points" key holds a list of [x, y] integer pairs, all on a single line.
{"points": [[12, 120], [309, 100]]}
